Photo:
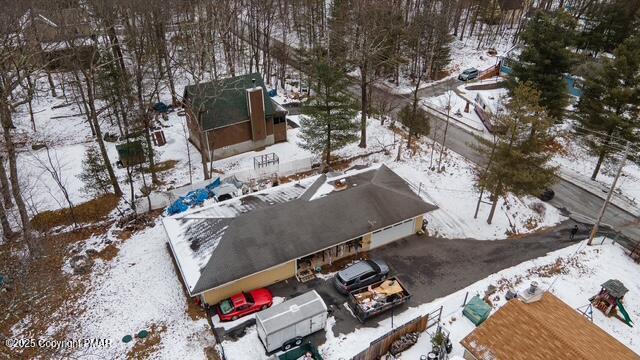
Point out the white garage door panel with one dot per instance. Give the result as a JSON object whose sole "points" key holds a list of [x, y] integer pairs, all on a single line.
{"points": [[392, 234]]}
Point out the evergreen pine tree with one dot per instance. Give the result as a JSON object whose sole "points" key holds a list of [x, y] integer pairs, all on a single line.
{"points": [[609, 24], [546, 58], [610, 102], [94, 174], [520, 160], [329, 122], [416, 120]]}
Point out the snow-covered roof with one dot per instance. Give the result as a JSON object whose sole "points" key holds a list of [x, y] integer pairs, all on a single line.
{"points": [[195, 235], [245, 235]]}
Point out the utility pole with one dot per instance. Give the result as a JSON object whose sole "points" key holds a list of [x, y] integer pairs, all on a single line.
{"points": [[594, 231]]}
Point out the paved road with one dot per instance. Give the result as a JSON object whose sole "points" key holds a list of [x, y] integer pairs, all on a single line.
{"points": [[576, 201]]}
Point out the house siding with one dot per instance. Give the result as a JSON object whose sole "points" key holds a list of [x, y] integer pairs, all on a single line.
{"points": [[230, 135], [280, 272], [256, 113], [280, 131], [234, 139], [468, 356], [419, 221], [270, 126], [242, 147], [258, 280]]}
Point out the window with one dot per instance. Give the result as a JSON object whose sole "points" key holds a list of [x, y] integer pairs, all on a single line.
{"points": [[249, 298], [367, 276], [226, 307]]}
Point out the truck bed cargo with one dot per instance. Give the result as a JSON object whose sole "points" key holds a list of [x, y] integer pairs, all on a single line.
{"points": [[377, 298]]}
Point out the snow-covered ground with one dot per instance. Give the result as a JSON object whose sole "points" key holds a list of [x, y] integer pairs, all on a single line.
{"points": [[137, 290], [456, 105], [585, 269], [453, 191], [575, 160], [580, 161], [454, 194], [582, 269], [465, 54]]}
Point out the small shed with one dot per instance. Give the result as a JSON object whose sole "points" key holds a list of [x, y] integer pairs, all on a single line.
{"points": [[130, 153]]}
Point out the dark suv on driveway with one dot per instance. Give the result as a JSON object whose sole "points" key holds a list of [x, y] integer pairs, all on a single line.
{"points": [[360, 274]]}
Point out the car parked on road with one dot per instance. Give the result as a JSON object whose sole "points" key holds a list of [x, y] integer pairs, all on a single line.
{"points": [[244, 303], [360, 274], [469, 74]]}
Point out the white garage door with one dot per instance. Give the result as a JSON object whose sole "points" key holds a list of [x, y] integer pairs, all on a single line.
{"points": [[393, 233]]}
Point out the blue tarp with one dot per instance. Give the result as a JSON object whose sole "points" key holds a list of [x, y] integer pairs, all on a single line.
{"points": [[177, 207], [214, 184], [194, 198], [272, 92]]}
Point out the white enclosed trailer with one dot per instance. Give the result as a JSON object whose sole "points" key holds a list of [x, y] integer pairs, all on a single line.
{"points": [[283, 326]]}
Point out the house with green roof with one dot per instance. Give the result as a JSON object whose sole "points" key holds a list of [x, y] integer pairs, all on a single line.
{"points": [[234, 115]]}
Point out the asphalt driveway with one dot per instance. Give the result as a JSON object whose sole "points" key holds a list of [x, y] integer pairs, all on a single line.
{"points": [[431, 268]]}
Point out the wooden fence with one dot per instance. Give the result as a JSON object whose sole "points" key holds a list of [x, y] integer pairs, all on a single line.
{"points": [[381, 346]]}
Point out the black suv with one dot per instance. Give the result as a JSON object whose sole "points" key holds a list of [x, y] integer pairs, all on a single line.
{"points": [[360, 274]]}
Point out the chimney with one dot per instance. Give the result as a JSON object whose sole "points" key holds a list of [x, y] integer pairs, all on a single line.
{"points": [[532, 294], [255, 103]]}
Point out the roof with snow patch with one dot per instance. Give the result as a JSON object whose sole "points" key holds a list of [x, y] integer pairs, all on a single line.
{"points": [[242, 236], [545, 329]]}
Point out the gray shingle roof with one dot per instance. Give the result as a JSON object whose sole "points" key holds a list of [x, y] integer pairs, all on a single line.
{"points": [[225, 102], [615, 288], [272, 235]]}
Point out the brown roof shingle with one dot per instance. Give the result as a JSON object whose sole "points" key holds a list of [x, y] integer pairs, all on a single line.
{"points": [[546, 329]]}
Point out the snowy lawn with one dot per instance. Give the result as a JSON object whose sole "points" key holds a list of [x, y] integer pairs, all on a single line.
{"points": [[456, 105], [574, 274], [464, 55], [580, 161], [453, 190], [581, 272], [68, 140], [138, 290]]}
